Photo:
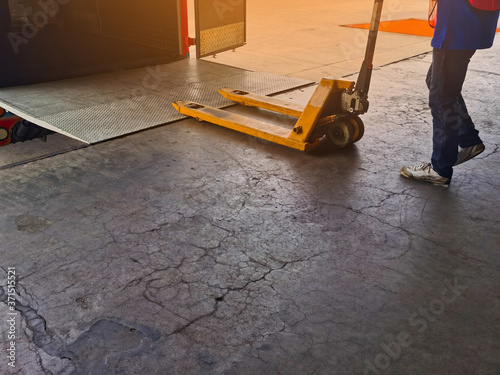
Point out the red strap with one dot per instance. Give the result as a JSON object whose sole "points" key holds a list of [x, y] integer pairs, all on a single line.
{"points": [[432, 13], [486, 4]]}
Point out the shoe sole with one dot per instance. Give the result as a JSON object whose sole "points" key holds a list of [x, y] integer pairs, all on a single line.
{"points": [[471, 156], [424, 180]]}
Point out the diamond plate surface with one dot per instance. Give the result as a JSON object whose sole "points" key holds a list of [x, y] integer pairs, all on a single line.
{"points": [[98, 108], [222, 38]]}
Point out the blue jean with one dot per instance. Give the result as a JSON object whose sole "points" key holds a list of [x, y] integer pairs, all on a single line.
{"points": [[452, 125]]}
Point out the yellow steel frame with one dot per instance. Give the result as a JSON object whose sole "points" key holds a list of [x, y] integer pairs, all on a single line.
{"points": [[325, 101]]}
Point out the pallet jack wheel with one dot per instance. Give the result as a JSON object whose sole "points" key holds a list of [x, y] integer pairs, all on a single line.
{"points": [[359, 128], [340, 134]]}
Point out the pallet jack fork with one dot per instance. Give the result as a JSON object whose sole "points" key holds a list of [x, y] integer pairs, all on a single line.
{"points": [[333, 110]]}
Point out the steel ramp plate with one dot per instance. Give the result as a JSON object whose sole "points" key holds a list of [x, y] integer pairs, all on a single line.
{"points": [[96, 108]]}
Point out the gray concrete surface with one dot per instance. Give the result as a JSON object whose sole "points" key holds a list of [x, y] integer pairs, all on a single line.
{"points": [[26, 152], [192, 249]]}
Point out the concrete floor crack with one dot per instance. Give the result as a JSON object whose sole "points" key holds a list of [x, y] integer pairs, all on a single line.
{"points": [[191, 322], [41, 336], [220, 299]]}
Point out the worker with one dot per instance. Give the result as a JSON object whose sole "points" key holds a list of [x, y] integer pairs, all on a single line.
{"points": [[461, 29]]}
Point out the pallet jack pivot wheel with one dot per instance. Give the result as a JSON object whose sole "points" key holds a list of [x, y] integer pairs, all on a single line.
{"points": [[359, 128], [340, 134]]}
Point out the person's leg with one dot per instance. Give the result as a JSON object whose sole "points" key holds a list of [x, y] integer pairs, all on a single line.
{"points": [[467, 133], [445, 80], [428, 79]]}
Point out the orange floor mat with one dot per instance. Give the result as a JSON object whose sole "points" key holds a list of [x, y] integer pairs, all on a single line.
{"points": [[410, 26]]}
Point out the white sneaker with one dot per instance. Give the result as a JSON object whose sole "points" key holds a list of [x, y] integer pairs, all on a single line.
{"points": [[424, 172], [468, 153]]}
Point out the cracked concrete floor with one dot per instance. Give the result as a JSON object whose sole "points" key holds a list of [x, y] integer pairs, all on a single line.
{"points": [[192, 249]]}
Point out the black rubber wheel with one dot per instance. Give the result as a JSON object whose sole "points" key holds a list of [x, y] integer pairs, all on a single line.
{"points": [[359, 128], [26, 131], [340, 134]]}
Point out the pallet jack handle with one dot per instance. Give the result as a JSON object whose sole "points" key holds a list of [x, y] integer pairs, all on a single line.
{"points": [[357, 101], [363, 83]]}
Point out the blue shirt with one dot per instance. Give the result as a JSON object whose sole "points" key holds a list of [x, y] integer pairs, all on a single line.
{"points": [[459, 26]]}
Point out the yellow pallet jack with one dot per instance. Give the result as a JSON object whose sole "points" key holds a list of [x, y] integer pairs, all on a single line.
{"points": [[332, 112]]}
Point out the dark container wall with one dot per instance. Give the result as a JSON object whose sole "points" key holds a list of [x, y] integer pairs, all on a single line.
{"points": [[85, 37]]}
